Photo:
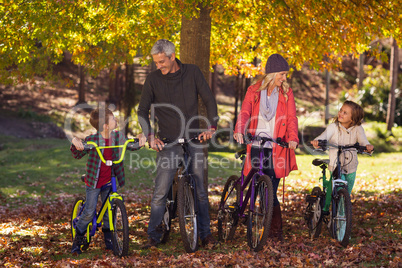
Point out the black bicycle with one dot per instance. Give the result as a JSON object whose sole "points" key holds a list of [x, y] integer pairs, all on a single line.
{"points": [[182, 202], [339, 221]]}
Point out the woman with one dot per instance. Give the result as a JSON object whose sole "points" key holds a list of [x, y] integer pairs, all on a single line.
{"points": [[269, 110]]}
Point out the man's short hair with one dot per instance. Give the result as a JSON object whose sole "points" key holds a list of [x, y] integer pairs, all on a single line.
{"points": [[163, 46]]}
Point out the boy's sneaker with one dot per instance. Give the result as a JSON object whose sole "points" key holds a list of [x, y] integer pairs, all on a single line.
{"points": [[108, 235], [77, 243]]}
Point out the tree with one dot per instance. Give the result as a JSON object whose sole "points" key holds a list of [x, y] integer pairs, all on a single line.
{"points": [[102, 33], [195, 49], [394, 67]]}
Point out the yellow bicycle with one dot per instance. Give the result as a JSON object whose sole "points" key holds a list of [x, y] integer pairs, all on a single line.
{"points": [[113, 205]]}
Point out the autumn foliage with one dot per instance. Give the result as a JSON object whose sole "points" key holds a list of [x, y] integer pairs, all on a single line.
{"points": [[38, 235]]}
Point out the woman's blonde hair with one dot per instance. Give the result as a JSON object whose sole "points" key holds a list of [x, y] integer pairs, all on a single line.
{"points": [[269, 79]]}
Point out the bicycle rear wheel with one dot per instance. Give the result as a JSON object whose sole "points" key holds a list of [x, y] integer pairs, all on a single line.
{"points": [[259, 220], [78, 206], [313, 212], [187, 214], [342, 217], [227, 217], [120, 224]]}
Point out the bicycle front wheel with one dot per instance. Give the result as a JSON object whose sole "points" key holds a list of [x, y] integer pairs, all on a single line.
{"points": [[259, 219], [342, 217], [187, 214], [227, 218], [120, 225], [77, 207]]}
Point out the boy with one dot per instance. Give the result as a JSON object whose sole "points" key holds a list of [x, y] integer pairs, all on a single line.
{"points": [[98, 175]]}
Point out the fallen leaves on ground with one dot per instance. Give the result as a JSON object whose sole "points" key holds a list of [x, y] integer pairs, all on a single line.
{"points": [[39, 235]]}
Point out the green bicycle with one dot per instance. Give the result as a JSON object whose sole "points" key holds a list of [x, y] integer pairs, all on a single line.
{"points": [[339, 220]]}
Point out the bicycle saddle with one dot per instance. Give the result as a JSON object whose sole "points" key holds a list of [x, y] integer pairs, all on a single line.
{"points": [[318, 162]]}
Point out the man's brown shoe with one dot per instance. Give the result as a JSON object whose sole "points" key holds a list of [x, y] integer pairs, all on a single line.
{"points": [[209, 242], [150, 243]]}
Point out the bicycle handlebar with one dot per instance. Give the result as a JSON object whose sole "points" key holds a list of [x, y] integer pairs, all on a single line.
{"points": [[251, 138], [324, 144], [130, 143], [181, 140]]}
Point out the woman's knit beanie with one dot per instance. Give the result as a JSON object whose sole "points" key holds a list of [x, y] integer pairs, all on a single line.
{"points": [[275, 64]]}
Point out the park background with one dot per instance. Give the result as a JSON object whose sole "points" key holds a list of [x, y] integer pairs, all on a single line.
{"points": [[57, 54]]}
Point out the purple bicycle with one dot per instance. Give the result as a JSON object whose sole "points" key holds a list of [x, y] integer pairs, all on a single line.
{"points": [[255, 188]]}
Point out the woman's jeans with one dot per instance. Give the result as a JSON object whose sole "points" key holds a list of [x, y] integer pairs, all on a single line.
{"points": [[167, 162], [268, 167], [90, 209]]}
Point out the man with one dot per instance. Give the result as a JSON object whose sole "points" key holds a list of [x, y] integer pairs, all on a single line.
{"points": [[172, 93]]}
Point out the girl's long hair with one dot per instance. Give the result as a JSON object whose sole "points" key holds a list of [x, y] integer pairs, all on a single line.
{"points": [[269, 79], [357, 113]]}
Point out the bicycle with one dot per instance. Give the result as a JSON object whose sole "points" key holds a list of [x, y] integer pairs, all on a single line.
{"points": [[260, 194], [339, 221], [113, 205], [182, 202]]}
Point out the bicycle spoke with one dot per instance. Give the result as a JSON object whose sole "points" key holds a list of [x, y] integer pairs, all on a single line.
{"points": [[228, 208], [187, 216], [260, 218], [342, 220]]}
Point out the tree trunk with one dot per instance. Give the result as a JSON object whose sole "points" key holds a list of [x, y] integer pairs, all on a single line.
{"points": [[129, 99], [195, 48], [81, 87], [237, 97], [360, 65], [327, 81], [394, 80], [213, 76], [112, 85]]}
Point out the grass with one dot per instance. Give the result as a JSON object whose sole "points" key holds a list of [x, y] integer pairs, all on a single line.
{"points": [[44, 169]]}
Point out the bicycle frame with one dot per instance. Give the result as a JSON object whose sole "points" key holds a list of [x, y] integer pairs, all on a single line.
{"points": [[250, 180], [184, 172], [111, 195]]}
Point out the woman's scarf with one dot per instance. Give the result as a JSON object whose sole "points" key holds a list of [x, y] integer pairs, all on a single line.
{"points": [[268, 104]]}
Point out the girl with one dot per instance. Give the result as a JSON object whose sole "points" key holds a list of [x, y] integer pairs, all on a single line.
{"points": [[345, 130]]}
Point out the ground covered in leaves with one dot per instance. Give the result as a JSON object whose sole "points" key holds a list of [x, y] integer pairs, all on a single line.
{"points": [[38, 235]]}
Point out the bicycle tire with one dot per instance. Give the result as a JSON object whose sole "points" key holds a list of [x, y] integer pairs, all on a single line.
{"points": [[314, 221], [259, 220], [342, 220], [187, 215], [228, 208], [120, 225], [79, 202]]}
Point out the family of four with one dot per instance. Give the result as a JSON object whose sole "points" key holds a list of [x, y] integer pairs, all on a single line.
{"points": [[170, 94]]}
